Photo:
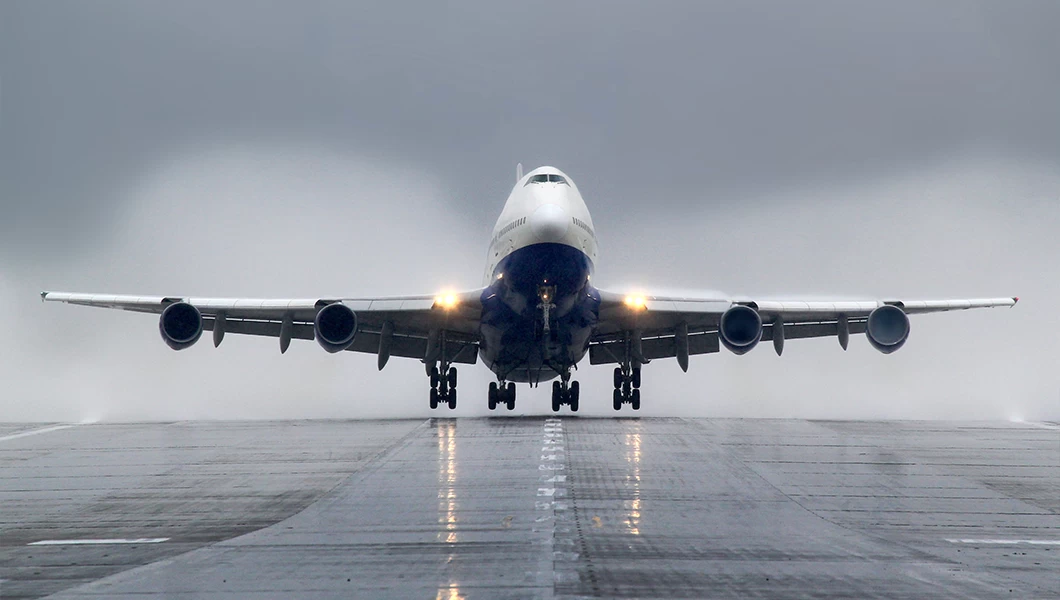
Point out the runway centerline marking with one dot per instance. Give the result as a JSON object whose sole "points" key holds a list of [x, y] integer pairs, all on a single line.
{"points": [[98, 542], [15, 436]]}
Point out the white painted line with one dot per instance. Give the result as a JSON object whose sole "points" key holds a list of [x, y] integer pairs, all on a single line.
{"points": [[1004, 542], [102, 541], [15, 436]]}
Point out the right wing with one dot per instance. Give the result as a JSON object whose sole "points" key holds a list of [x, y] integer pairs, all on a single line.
{"points": [[660, 324], [413, 322]]}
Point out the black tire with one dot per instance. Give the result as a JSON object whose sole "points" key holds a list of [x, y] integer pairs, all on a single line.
{"points": [[509, 395], [555, 402], [452, 399], [618, 377], [452, 377], [636, 377], [574, 393], [434, 397], [492, 395], [511, 403], [635, 400], [434, 377], [618, 399]]}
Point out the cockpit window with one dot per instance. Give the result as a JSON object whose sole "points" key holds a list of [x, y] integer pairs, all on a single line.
{"points": [[546, 178]]}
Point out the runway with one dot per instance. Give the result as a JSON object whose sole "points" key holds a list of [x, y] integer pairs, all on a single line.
{"points": [[530, 508]]}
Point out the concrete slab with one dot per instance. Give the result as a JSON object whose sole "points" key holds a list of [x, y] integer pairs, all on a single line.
{"points": [[534, 508]]}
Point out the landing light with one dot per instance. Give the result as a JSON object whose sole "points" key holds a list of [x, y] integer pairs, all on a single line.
{"points": [[446, 301], [636, 302]]}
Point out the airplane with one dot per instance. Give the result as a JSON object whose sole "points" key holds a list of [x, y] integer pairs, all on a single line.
{"points": [[536, 315]]}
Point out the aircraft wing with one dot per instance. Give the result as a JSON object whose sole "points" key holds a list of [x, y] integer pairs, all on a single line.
{"points": [[410, 319], [659, 324]]}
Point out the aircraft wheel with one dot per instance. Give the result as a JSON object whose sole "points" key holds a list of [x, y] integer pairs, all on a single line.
{"points": [[556, 391], [618, 377], [434, 397], [452, 398], [636, 377], [575, 392], [511, 396], [635, 400], [452, 377], [434, 377], [618, 399], [492, 395]]}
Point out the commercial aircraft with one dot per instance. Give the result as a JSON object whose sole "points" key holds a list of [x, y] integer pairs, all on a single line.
{"points": [[537, 314]]}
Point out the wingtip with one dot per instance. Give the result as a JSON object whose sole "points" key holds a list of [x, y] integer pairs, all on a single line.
{"points": [[43, 296], [1015, 300]]}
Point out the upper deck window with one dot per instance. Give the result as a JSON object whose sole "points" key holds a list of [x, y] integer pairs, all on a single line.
{"points": [[546, 178]]}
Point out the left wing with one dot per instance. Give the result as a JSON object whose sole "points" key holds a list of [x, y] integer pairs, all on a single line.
{"points": [[408, 326], [651, 327]]}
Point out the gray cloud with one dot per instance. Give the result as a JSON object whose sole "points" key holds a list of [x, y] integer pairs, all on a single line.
{"points": [[810, 148]]}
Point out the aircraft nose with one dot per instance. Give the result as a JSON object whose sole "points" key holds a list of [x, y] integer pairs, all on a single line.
{"points": [[550, 222]]}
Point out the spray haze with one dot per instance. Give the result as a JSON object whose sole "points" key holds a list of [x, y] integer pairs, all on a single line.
{"points": [[825, 150]]}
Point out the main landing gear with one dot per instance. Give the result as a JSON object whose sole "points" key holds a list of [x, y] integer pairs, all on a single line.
{"points": [[443, 388], [627, 387], [566, 392], [502, 394]]}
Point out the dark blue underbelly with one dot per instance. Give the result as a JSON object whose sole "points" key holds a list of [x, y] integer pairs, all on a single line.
{"points": [[514, 341]]}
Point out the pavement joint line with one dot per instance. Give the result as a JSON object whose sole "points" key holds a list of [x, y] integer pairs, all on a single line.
{"points": [[992, 542], [49, 429], [90, 542]]}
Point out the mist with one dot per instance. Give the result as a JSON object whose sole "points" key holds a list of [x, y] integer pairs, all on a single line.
{"points": [[146, 152]]}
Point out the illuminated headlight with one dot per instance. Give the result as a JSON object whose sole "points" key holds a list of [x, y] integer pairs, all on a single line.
{"points": [[446, 301], [636, 302]]}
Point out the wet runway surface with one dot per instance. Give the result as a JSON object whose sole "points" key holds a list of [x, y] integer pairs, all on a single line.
{"points": [[531, 508]]}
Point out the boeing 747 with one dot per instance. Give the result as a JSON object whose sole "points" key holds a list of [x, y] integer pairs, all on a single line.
{"points": [[536, 315]]}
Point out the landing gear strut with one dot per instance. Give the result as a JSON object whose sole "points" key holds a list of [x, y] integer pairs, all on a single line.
{"points": [[566, 392], [443, 389], [627, 387], [502, 394]]}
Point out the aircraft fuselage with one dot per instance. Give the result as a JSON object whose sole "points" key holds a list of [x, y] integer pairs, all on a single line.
{"points": [[539, 308]]}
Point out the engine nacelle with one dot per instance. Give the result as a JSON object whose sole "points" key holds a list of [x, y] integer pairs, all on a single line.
{"points": [[740, 330], [335, 327], [887, 328], [180, 325]]}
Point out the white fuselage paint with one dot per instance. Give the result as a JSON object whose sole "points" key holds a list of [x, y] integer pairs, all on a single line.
{"points": [[540, 213]]}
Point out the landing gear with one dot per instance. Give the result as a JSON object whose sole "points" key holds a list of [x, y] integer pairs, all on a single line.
{"points": [[627, 387], [502, 394], [443, 389], [565, 392]]}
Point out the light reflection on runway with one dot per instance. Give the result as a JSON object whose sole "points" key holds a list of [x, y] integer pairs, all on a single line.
{"points": [[632, 520], [447, 503]]}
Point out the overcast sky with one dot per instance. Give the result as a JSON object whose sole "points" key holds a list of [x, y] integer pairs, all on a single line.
{"points": [[864, 149]]}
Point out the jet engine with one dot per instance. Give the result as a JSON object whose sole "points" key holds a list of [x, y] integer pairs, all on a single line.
{"points": [[180, 325], [740, 329], [335, 327], [887, 328]]}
